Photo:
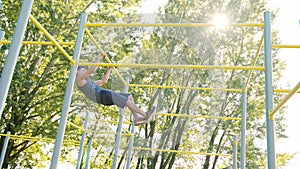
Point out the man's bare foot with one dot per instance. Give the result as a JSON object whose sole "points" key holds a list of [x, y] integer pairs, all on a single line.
{"points": [[139, 121], [150, 114]]}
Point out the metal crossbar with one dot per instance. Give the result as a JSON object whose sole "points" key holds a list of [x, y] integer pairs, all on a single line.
{"points": [[169, 24]]}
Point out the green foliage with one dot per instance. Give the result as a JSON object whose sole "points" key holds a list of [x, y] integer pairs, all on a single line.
{"points": [[204, 46], [37, 89], [38, 86]]}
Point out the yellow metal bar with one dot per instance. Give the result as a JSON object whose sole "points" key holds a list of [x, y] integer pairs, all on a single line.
{"points": [[169, 24], [38, 139], [102, 52], [39, 43], [283, 91], [76, 126], [254, 61], [200, 88], [285, 46], [19, 137], [52, 39], [173, 66], [109, 121], [105, 132], [198, 116], [182, 152], [294, 90], [128, 133], [182, 87], [94, 41]]}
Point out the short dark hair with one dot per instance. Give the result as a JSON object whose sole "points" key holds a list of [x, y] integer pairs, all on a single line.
{"points": [[79, 67]]}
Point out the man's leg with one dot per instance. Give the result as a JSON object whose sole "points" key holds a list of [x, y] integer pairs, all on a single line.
{"points": [[134, 109], [122, 100]]}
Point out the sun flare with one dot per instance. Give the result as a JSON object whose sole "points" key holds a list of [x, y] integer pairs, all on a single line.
{"points": [[220, 21]]}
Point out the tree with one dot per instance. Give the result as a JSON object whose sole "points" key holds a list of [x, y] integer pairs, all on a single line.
{"points": [[232, 46], [36, 94], [39, 85]]}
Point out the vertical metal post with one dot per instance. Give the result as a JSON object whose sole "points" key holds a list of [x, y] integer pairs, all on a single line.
{"points": [[79, 159], [4, 147], [14, 49], [2, 33], [235, 143], [118, 139], [68, 95], [88, 155], [243, 134], [269, 90], [131, 139]]}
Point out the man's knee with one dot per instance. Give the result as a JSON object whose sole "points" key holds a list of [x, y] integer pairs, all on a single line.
{"points": [[130, 98]]}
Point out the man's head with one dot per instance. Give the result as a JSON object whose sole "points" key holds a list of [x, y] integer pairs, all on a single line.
{"points": [[80, 70], [80, 67]]}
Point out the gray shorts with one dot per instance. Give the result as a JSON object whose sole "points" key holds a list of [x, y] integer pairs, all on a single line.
{"points": [[108, 98]]}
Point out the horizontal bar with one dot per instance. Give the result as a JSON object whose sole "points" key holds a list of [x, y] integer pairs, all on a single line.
{"points": [[285, 46], [169, 24], [46, 33], [202, 88], [38, 43], [285, 99], [283, 91], [192, 88], [107, 132], [182, 152], [76, 126], [182, 87], [198, 116], [38, 139], [109, 121], [173, 66]]}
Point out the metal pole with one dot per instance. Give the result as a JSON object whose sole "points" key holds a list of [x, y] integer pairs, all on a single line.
{"points": [[79, 159], [130, 144], [131, 138], [68, 95], [243, 134], [2, 33], [118, 139], [14, 49], [4, 147], [235, 143], [88, 155], [269, 90]]}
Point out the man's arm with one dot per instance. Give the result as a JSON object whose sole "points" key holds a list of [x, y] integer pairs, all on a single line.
{"points": [[105, 78], [93, 69]]}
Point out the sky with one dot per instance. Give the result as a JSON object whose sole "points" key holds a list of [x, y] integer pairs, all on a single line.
{"points": [[287, 23]]}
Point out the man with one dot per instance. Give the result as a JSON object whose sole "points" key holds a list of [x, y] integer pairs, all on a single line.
{"points": [[99, 95]]}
